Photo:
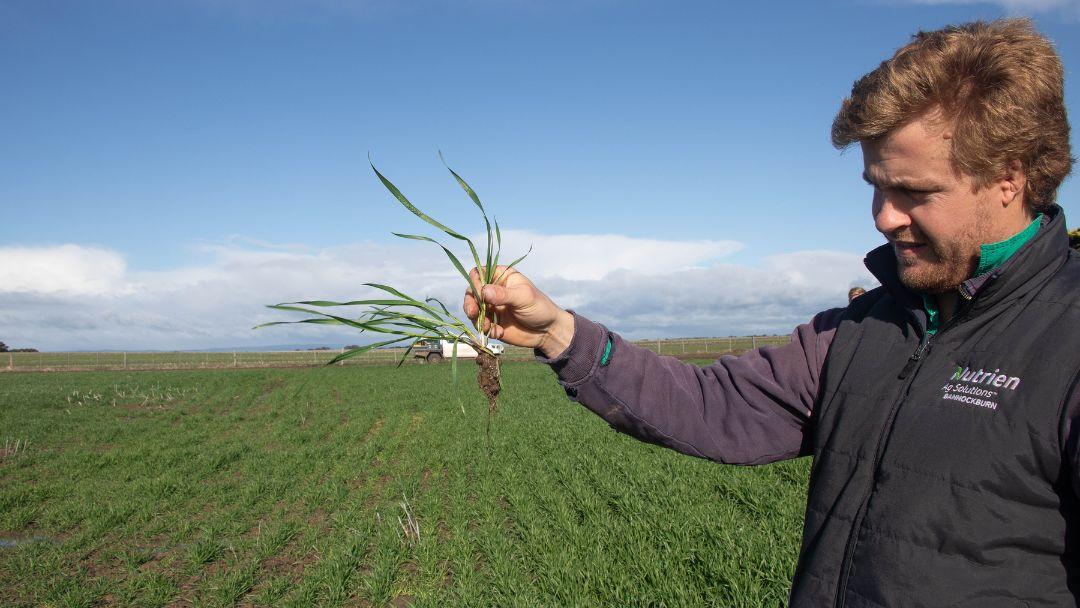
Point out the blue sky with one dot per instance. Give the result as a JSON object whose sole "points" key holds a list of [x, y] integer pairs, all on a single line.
{"points": [[170, 165]]}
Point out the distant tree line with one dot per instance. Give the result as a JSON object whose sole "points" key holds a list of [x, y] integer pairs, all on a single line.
{"points": [[4, 349]]}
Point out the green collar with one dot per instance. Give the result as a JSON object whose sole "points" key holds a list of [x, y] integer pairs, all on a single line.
{"points": [[991, 256], [994, 254]]}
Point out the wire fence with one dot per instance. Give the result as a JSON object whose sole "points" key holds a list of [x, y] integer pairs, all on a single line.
{"points": [[70, 361]]}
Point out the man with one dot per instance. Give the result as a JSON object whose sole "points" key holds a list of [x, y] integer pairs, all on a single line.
{"points": [[940, 408]]}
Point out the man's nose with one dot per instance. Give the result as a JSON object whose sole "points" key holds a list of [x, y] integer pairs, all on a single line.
{"points": [[888, 218]]}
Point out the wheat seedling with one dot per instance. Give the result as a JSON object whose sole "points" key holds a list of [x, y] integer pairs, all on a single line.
{"points": [[410, 527], [14, 447], [411, 320]]}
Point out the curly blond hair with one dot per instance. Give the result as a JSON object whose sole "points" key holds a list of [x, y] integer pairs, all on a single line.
{"points": [[1000, 87]]}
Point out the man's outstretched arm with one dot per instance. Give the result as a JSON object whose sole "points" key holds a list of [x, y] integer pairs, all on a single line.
{"points": [[750, 409], [741, 410]]}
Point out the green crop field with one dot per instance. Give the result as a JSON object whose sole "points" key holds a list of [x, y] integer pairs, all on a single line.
{"points": [[367, 486]]}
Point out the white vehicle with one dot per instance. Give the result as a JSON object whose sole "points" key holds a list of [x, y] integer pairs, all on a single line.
{"points": [[434, 351]]}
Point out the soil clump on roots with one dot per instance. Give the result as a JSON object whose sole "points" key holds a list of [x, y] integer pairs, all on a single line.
{"points": [[488, 379]]}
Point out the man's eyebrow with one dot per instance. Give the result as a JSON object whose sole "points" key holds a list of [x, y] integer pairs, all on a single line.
{"points": [[899, 183]]}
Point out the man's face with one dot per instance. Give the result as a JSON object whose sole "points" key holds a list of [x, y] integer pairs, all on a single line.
{"points": [[933, 215]]}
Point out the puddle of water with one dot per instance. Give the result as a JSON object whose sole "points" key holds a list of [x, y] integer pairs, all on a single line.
{"points": [[8, 543]]}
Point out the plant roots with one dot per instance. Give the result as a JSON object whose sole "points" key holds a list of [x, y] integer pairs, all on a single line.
{"points": [[488, 379]]}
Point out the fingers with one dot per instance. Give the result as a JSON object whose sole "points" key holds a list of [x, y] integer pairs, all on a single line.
{"points": [[501, 274], [492, 330], [514, 296], [493, 296], [470, 307], [474, 279], [509, 289]]}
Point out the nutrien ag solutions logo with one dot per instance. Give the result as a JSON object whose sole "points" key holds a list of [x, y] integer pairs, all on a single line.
{"points": [[979, 388]]}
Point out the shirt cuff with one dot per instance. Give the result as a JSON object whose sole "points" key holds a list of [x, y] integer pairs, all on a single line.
{"points": [[578, 361]]}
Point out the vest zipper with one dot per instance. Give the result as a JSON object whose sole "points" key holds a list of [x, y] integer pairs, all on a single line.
{"points": [[906, 374], [916, 357]]}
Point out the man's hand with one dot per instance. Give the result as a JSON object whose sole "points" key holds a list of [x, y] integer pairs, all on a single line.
{"points": [[524, 315]]}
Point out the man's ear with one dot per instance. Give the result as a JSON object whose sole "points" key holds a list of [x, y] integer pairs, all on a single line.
{"points": [[1011, 184]]}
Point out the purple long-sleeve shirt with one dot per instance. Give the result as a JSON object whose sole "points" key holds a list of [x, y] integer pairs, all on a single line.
{"points": [[740, 410], [750, 409]]}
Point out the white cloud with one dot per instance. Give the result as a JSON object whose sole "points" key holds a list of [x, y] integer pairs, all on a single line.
{"points": [[76, 297], [719, 300], [593, 256], [67, 269]]}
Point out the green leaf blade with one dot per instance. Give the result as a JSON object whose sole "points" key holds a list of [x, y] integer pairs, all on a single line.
{"points": [[450, 254], [476, 199], [363, 349], [427, 218]]}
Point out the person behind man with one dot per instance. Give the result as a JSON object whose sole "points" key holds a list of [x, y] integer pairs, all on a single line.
{"points": [[941, 407], [853, 293]]}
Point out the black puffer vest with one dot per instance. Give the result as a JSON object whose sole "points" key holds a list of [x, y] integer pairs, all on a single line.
{"points": [[939, 475]]}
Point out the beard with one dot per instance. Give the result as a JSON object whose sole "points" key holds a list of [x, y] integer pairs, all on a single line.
{"points": [[942, 265], [946, 268]]}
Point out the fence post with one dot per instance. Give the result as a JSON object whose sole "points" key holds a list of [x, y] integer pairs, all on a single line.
{"points": [[10, 361], [754, 340], [729, 344], [125, 360], [684, 347], [706, 345], [658, 346]]}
